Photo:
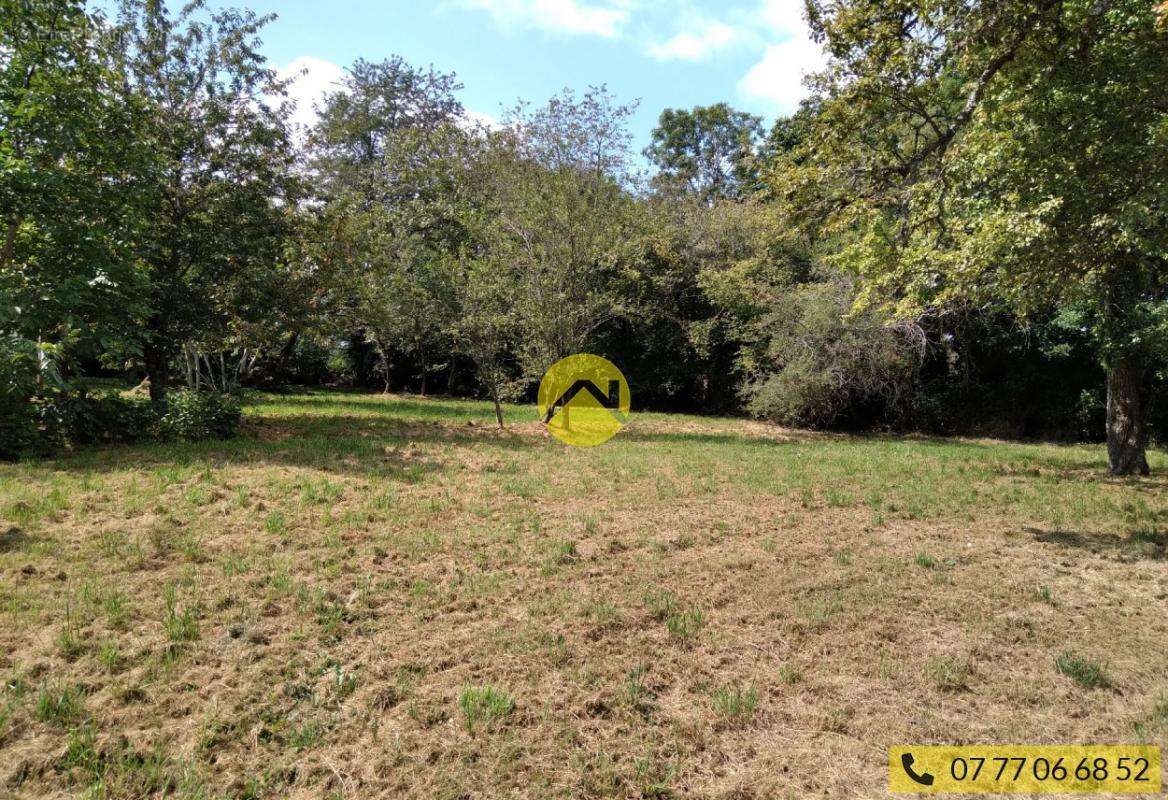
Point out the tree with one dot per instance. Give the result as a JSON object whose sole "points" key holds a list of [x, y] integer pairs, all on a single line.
{"points": [[707, 152], [487, 328], [215, 202], [65, 149], [388, 149], [562, 221], [969, 153]]}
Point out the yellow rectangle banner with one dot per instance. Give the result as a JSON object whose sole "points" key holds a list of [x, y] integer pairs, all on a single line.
{"points": [[1029, 768]]}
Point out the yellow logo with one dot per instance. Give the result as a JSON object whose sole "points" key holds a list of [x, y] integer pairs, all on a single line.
{"points": [[584, 400]]}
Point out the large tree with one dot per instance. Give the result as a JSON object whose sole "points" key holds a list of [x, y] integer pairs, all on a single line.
{"points": [[65, 151], [563, 221], [987, 152], [214, 203], [706, 152], [387, 152]]}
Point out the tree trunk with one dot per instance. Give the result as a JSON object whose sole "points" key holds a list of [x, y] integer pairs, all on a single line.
{"points": [[1127, 415], [498, 410], [157, 370], [386, 365], [279, 366], [422, 356]]}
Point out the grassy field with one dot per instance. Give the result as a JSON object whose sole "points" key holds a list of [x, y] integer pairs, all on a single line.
{"points": [[379, 596]]}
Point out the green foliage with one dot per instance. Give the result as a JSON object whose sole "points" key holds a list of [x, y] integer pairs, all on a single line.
{"points": [[993, 373], [39, 426], [808, 360], [30, 422], [706, 152], [66, 148], [956, 159], [215, 192], [557, 219], [122, 419], [112, 419], [195, 416], [390, 154]]}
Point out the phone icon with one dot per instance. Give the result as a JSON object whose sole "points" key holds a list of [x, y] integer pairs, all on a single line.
{"points": [[924, 779]]}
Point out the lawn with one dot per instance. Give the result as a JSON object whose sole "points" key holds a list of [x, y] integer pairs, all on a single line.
{"points": [[383, 596]]}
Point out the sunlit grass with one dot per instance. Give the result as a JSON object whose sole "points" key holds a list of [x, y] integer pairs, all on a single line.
{"points": [[366, 573]]}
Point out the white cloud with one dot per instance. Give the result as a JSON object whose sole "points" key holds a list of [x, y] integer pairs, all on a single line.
{"points": [[778, 77], [705, 39], [311, 78], [475, 118], [603, 19], [784, 16]]}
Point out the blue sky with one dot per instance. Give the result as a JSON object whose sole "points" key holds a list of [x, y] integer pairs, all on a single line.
{"points": [[751, 53]]}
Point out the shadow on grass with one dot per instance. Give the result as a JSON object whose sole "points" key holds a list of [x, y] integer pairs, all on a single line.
{"points": [[13, 539], [342, 444], [1137, 545]]}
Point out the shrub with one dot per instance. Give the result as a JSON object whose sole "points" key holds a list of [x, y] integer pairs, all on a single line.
{"points": [[37, 425], [195, 416], [810, 359], [29, 422], [111, 419], [19, 432]]}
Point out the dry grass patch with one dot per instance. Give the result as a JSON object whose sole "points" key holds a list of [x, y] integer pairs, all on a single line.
{"points": [[366, 596]]}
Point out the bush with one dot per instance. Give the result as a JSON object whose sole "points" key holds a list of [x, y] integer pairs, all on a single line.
{"points": [[111, 419], [37, 426], [19, 433], [812, 360], [195, 416], [29, 423]]}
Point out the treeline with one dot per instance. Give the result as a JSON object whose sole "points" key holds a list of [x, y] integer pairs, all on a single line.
{"points": [[961, 231]]}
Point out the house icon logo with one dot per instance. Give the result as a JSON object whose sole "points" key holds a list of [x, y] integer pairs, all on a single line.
{"points": [[584, 400]]}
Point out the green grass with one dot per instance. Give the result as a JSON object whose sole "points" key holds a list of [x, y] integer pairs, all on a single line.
{"points": [[58, 705], [1044, 594], [180, 625], [735, 703], [789, 674], [925, 560], [685, 625], [661, 603], [1086, 672], [637, 694], [482, 705], [949, 673], [678, 610]]}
